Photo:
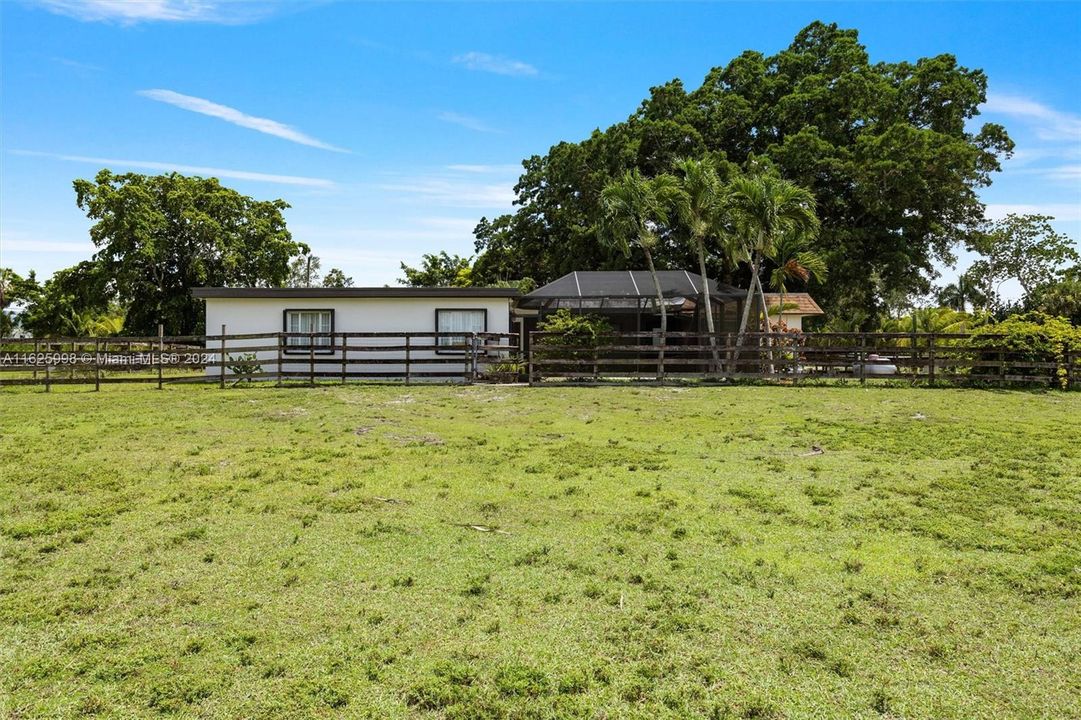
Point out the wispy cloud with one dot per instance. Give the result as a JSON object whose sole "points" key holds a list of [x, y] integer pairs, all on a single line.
{"points": [[467, 121], [130, 12], [192, 169], [1068, 212], [77, 66], [1048, 123], [495, 64], [236, 117], [486, 169], [453, 192]]}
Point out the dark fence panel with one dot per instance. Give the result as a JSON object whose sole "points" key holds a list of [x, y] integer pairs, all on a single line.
{"points": [[792, 357]]}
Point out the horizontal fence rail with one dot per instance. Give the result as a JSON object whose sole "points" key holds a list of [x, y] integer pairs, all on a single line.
{"points": [[954, 358], [409, 357], [279, 357]]}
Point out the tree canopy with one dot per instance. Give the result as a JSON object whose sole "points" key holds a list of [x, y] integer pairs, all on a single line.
{"points": [[885, 148], [157, 237]]}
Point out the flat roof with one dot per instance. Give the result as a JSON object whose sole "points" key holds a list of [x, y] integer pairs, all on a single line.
{"points": [[356, 292]]}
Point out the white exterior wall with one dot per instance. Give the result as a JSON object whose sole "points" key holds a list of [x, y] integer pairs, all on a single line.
{"points": [[351, 314], [794, 322]]}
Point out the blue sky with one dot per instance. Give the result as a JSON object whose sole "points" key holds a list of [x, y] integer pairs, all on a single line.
{"points": [[392, 128]]}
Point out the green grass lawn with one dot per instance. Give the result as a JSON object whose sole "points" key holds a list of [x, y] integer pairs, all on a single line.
{"points": [[650, 553]]}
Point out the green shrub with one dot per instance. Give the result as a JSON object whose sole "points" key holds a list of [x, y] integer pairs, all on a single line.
{"points": [[1033, 338], [244, 367], [580, 333]]}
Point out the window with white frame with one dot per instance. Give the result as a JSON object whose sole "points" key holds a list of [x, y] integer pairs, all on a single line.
{"points": [[308, 322], [463, 321]]}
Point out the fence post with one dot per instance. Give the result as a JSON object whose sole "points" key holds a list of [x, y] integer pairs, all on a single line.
{"points": [[468, 359], [660, 355], [97, 367], [311, 359], [863, 358], [161, 349], [931, 358], [281, 345], [221, 382], [476, 352], [345, 345], [48, 384], [532, 341], [37, 352], [407, 357]]}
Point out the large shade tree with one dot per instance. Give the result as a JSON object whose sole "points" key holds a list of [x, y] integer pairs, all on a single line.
{"points": [[158, 236], [889, 150]]}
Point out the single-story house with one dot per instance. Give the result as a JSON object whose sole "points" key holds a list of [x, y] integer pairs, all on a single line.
{"points": [[796, 307], [320, 315], [311, 321]]}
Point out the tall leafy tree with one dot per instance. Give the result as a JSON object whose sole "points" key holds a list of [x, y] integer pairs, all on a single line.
{"points": [[70, 301], [158, 236], [889, 150], [1061, 297], [15, 291], [335, 278], [1025, 248], [439, 270], [304, 271], [634, 207]]}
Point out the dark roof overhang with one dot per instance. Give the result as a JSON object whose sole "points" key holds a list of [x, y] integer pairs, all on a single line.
{"points": [[358, 292]]}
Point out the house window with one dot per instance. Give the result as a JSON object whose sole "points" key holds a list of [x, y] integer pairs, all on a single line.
{"points": [[309, 321], [463, 321]]}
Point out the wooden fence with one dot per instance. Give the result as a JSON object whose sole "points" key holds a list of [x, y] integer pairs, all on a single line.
{"points": [[791, 357], [408, 357], [279, 357]]}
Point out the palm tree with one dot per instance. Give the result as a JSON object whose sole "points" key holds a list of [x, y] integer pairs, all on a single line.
{"points": [[702, 211], [767, 210], [795, 261], [961, 294], [633, 207]]}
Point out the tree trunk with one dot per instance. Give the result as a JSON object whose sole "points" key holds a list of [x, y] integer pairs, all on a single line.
{"points": [[664, 312], [734, 356], [709, 307], [765, 322]]}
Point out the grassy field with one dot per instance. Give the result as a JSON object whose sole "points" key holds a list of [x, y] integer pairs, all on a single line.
{"points": [[553, 552]]}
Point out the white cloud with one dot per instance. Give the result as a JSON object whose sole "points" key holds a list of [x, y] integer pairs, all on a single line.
{"points": [[236, 117], [1066, 212], [194, 169], [495, 64], [130, 12], [1064, 173], [451, 192], [1048, 123], [486, 169], [467, 121]]}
